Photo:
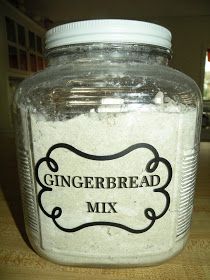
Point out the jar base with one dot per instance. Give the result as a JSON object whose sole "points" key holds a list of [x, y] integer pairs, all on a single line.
{"points": [[109, 261]]}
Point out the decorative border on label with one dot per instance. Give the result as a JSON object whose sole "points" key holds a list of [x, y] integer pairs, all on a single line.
{"points": [[150, 167]]}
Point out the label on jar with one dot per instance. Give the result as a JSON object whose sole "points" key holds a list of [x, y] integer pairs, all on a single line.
{"points": [[100, 186], [108, 177]]}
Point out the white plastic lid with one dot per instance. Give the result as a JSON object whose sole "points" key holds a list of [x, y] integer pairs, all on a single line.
{"points": [[109, 31]]}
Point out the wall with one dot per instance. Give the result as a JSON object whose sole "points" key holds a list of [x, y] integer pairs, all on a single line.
{"points": [[190, 39]]}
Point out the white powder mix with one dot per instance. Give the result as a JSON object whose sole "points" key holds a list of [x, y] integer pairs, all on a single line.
{"points": [[106, 216]]}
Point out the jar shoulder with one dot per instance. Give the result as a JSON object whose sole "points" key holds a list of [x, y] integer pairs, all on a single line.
{"points": [[138, 78]]}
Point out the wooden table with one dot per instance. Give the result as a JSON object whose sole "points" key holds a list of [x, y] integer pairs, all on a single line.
{"points": [[18, 261]]}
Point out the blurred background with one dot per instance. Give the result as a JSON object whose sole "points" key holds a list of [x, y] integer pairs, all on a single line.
{"points": [[23, 24]]}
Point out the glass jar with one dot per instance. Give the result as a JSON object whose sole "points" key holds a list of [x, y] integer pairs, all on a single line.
{"points": [[107, 141]]}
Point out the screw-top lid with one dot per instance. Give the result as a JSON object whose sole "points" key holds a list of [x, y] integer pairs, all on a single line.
{"points": [[109, 31]]}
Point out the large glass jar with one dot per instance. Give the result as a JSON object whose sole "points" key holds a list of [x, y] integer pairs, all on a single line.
{"points": [[107, 140]]}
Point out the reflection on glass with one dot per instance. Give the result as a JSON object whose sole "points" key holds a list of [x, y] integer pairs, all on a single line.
{"points": [[21, 35], [23, 60], [39, 44], [13, 59], [31, 38], [206, 93], [13, 84], [10, 27], [33, 63]]}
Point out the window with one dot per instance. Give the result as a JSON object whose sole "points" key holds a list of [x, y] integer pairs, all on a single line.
{"points": [[21, 35], [39, 44], [13, 57], [11, 33], [206, 91], [40, 63], [33, 62], [25, 48], [23, 60], [31, 38]]}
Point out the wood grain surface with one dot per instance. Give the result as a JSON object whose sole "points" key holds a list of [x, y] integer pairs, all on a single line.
{"points": [[18, 261]]}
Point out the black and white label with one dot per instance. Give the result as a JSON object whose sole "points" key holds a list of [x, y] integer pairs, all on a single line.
{"points": [[108, 190]]}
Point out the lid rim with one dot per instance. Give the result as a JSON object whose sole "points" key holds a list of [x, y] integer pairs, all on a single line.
{"points": [[118, 31]]}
